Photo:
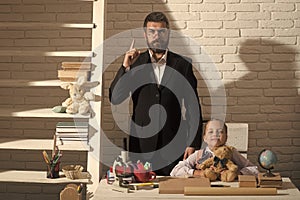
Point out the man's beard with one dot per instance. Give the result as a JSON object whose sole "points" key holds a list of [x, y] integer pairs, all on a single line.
{"points": [[162, 47]]}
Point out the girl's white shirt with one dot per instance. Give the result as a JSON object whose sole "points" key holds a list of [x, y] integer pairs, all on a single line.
{"points": [[187, 167]]}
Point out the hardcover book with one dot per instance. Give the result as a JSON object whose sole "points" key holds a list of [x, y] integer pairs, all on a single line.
{"points": [[72, 75], [76, 64], [72, 127], [76, 131], [264, 181]]}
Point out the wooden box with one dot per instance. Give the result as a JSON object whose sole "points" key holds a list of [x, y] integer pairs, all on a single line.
{"points": [[247, 181], [176, 185]]}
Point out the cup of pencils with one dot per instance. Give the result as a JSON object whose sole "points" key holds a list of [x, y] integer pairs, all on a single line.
{"points": [[52, 164]]}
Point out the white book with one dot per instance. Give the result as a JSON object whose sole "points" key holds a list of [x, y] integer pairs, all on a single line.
{"points": [[71, 135], [71, 127], [72, 130], [73, 139], [72, 124]]}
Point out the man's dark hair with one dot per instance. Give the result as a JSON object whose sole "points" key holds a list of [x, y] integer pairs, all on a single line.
{"points": [[156, 17]]}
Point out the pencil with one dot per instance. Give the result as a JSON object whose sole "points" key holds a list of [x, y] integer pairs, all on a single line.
{"points": [[54, 146], [132, 45]]}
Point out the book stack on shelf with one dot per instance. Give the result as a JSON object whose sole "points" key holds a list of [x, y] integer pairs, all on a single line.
{"points": [[265, 181], [72, 131], [72, 70]]}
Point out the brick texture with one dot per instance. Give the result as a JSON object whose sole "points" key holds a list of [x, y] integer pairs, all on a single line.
{"points": [[255, 47], [32, 38]]}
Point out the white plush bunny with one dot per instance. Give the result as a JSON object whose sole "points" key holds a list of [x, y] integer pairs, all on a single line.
{"points": [[79, 99]]}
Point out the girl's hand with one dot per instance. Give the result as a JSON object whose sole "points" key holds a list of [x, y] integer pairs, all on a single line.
{"points": [[212, 168], [198, 172]]}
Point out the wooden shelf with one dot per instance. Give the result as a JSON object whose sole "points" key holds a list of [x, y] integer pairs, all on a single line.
{"points": [[47, 53], [41, 144], [29, 83], [39, 25], [19, 176], [38, 113]]}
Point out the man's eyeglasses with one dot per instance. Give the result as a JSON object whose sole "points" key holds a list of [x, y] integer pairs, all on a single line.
{"points": [[160, 32]]}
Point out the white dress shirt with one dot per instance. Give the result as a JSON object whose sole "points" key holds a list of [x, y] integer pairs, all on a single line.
{"points": [[159, 66]]}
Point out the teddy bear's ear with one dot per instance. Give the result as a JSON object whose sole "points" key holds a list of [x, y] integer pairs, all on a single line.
{"points": [[215, 148], [231, 148], [66, 86]]}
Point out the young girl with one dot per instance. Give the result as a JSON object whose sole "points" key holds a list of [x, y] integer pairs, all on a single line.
{"points": [[215, 134]]}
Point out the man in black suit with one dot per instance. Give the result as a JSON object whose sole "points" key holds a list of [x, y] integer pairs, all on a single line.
{"points": [[160, 84]]}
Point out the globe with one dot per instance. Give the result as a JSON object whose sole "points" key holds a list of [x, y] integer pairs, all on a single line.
{"points": [[267, 160]]}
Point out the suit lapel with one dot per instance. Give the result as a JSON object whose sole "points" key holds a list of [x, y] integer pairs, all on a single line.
{"points": [[171, 63], [144, 61]]}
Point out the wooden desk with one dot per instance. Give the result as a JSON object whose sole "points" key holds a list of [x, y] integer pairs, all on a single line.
{"points": [[105, 192]]}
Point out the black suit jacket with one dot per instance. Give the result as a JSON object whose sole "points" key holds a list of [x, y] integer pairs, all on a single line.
{"points": [[157, 114]]}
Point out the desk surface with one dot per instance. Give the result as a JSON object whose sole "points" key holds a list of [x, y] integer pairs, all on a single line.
{"points": [[105, 192]]}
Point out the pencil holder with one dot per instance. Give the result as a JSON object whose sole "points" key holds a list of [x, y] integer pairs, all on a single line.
{"points": [[53, 170]]}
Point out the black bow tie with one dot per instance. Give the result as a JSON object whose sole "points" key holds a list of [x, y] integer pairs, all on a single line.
{"points": [[222, 161]]}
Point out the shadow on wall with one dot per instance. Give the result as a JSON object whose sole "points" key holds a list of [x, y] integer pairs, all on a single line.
{"points": [[267, 98]]}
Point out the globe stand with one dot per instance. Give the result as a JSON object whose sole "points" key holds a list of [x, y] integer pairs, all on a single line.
{"points": [[269, 173]]}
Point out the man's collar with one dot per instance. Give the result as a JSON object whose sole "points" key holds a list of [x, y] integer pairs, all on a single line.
{"points": [[162, 60]]}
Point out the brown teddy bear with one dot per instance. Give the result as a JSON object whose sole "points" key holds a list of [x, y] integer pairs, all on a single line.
{"points": [[220, 166]]}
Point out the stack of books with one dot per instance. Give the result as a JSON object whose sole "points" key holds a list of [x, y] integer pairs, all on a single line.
{"points": [[72, 131], [72, 70], [267, 182]]}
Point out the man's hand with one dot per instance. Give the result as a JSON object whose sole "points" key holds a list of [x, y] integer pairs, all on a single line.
{"points": [[131, 55], [188, 152]]}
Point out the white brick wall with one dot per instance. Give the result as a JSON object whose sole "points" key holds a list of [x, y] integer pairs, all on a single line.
{"points": [[255, 45]]}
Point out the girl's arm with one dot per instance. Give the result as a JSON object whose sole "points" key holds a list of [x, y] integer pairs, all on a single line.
{"points": [[244, 165], [186, 167]]}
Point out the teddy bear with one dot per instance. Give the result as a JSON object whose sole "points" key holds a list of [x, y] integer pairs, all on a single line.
{"points": [[79, 99], [223, 167]]}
